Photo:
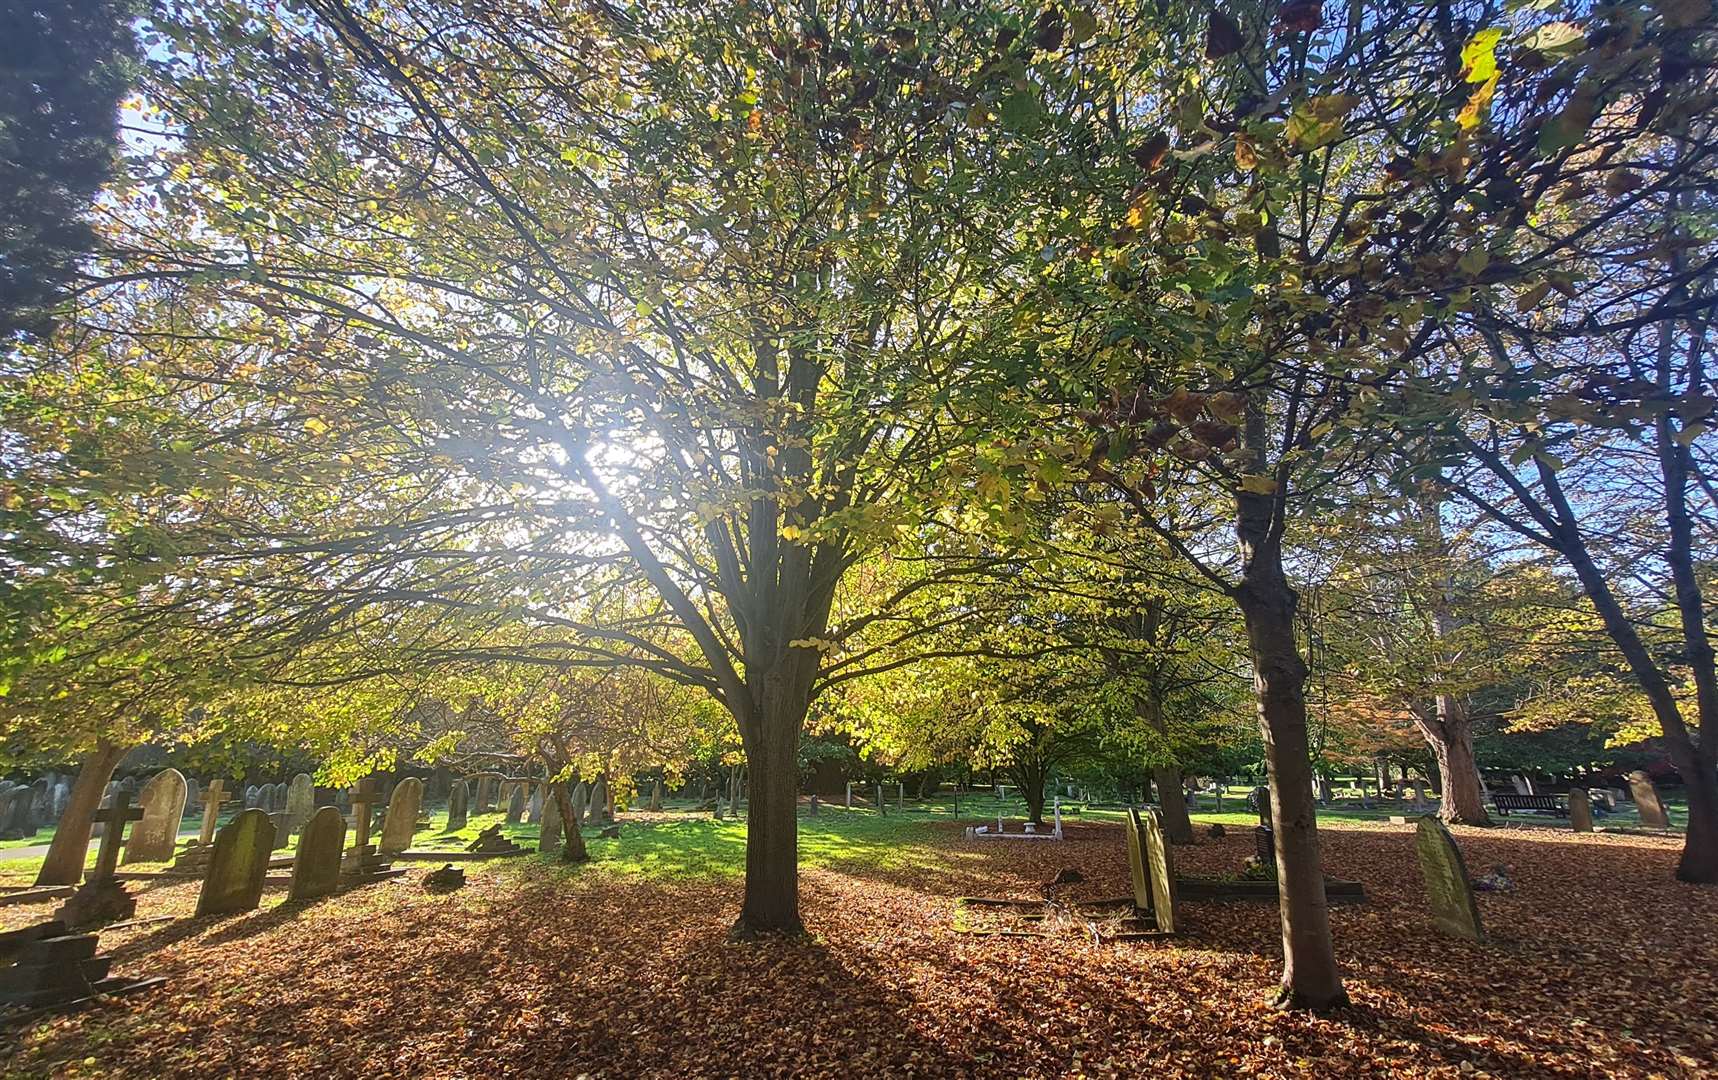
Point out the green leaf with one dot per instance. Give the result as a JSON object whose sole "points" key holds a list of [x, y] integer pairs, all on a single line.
{"points": [[1317, 121], [1020, 111]]}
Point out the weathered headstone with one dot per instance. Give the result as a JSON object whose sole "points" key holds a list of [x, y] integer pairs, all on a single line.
{"points": [[1646, 801], [402, 817], [1262, 799], [549, 836], [1160, 860], [515, 804], [107, 795], [598, 801], [458, 805], [1447, 884], [62, 795], [237, 865], [1136, 856], [316, 863], [300, 801], [485, 794], [534, 811], [253, 797], [42, 798], [163, 802], [581, 799], [1580, 810], [102, 899], [193, 792], [16, 820]]}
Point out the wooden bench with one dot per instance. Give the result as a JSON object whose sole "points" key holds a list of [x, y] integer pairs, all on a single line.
{"points": [[1546, 804]]}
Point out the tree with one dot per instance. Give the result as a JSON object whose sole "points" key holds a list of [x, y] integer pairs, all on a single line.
{"points": [[613, 301], [64, 65]]}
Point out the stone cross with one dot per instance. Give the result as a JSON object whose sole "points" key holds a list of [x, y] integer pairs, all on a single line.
{"points": [[212, 800], [107, 855], [363, 797]]}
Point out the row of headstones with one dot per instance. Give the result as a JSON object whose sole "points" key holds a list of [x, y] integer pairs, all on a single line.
{"points": [[25, 808], [523, 801]]}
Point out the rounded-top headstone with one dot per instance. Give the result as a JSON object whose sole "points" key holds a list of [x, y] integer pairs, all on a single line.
{"points": [[1447, 884], [237, 865], [316, 863], [163, 800], [402, 817]]}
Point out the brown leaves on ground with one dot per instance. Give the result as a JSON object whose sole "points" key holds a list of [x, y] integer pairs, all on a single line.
{"points": [[1600, 965]]}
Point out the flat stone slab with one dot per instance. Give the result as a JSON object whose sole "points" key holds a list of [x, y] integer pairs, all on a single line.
{"points": [[35, 895], [455, 856]]}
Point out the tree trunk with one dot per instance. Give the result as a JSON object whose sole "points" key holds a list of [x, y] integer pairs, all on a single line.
{"points": [[64, 864], [1310, 976], [1449, 736], [1030, 774], [1173, 799], [1699, 862], [572, 840], [772, 822]]}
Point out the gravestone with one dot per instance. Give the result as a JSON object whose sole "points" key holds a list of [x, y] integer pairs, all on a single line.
{"points": [[580, 794], [42, 798], [300, 801], [549, 836], [62, 795], [515, 804], [1646, 801], [237, 865], [402, 816], [282, 835], [1580, 810], [1447, 885], [107, 795], [598, 802], [458, 806], [1262, 799], [193, 792], [195, 857], [163, 802], [253, 795], [485, 794], [1160, 860], [1137, 872], [316, 863], [16, 820], [102, 899], [534, 812]]}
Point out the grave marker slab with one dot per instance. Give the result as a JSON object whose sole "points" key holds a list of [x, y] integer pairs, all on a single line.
{"points": [[316, 863], [163, 803], [549, 836], [402, 816], [458, 806], [515, 803], [1447, 884], [1646, 801], [1580, 810], [1161, 861], [300, 801], [237, 865]]}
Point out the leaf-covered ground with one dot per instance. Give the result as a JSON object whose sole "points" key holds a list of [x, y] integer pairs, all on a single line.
{"points": [[1600, 965]]}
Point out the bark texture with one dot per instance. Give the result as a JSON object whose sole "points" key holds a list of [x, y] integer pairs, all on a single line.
{"points": [[64, 864]]}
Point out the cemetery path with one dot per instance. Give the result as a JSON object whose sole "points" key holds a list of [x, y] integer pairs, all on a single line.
{"points": [[34, 852], [1599, 964]]}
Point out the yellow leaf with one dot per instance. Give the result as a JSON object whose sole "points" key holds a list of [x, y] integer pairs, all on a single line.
{"points": [[1258, 484], [1478, 105], [1479, 57]]}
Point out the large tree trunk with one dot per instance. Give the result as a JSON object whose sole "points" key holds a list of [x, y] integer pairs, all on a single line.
{"points": [[772, 823], [64, 864], [1310, 976], [1030, 774], [572, 840], [1173, 798], [1449, 735]]}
